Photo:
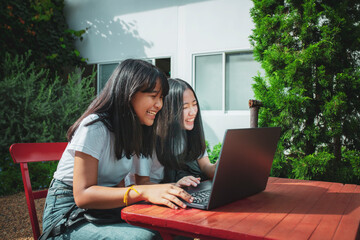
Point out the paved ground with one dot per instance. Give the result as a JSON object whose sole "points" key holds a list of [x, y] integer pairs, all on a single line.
{"points": [[14, 217]]}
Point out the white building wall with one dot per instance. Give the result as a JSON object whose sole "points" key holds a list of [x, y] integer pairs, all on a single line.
{"points": [[120, 29]]}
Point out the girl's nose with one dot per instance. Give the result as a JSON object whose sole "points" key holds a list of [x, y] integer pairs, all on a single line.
{"points": [[159, 103]]}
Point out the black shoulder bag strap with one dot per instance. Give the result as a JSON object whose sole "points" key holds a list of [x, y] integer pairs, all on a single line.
{"points": [[54, 230], [76, 215]]}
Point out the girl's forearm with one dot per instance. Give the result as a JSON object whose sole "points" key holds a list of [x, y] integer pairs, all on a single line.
{"points": [[99, 197], [207, 167], [210, 170]]}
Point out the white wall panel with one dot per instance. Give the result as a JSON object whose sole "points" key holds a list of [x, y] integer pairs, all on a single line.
{"points": [[120, 29]]}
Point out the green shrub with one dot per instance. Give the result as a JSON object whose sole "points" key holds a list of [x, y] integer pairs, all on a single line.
{"points": [[318, 166], [322, 166], [214, 153], [313, 166], [36, 108], [351, 161], [281, 166]]}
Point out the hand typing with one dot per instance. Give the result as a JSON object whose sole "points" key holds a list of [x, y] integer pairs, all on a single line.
{"points": [[188, 181], [166, 194]]}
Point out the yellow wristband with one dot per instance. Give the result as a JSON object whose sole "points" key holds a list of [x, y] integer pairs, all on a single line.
{"points": [[127, 194]]}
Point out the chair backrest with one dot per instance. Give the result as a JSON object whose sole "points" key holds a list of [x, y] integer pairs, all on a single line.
{"points": [[24, 153]]}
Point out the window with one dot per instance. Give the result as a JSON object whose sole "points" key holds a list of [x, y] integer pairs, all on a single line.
{"points": [[164, 65], [105, 70], [223, 80], [208, 84]]}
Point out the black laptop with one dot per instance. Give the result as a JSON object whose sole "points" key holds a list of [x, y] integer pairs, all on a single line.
{"points": [[242, 170]]}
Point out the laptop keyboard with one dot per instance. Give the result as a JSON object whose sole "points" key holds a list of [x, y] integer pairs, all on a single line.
{"points": [[201, 197]]}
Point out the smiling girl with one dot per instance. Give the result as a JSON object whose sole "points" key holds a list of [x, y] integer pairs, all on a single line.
{"points": [[180, 154], [119, 124]]}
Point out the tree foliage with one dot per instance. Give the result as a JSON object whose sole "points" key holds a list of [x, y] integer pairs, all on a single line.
{"points": [[310, 51], [41, 83], [40, 26], [36, 108]]}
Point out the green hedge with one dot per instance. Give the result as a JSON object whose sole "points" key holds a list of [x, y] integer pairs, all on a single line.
{"points": [[319, 166], [36, 108]]}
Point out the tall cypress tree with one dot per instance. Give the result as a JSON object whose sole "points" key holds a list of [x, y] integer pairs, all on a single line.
{"points": [[310, 51]]}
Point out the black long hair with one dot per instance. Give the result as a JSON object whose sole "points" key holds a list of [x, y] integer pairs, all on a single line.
{"points": [[113, 106], [176, 146]]}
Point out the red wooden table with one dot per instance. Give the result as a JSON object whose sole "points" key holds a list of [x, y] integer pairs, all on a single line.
{"points": [[287, 209]]}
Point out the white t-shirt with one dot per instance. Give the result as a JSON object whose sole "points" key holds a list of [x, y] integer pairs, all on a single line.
{"points": [[143, 166], [97, 141]]}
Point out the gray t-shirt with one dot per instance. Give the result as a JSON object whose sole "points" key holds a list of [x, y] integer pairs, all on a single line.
{"points": [[97, 141]]}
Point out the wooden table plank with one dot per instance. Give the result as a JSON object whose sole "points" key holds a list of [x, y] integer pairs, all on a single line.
{"points": [[351, 219], [231, 215], [329, 223], [255, 223], [286, 226], [312, 219], [158, 213], [283, 206]]}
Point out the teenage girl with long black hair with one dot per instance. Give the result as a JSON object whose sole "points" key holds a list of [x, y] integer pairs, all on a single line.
{"points": [[119, 124]]}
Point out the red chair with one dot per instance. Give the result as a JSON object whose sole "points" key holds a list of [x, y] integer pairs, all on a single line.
{"points": [[24, 153]]}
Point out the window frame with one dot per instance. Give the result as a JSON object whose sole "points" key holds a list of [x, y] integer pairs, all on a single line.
{"points": [[152, 60], [223, 53]]}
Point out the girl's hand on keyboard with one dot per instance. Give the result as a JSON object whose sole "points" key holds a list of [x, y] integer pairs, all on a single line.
{"points": [[163, 194], [188, 181]]}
